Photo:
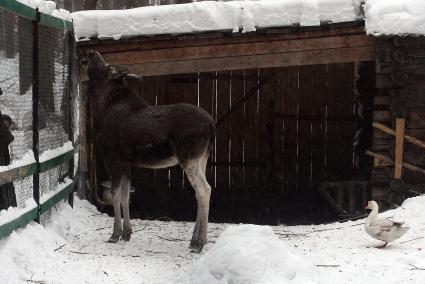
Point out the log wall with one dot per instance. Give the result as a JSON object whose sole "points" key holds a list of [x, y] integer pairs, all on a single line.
{"points": [[400, 76]]}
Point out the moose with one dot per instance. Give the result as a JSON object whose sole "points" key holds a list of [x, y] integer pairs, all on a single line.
{"points": [[131, 133]]}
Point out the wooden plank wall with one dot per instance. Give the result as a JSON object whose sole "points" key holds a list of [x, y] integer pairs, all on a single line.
{"points": [[400, 93], [270, 155]]}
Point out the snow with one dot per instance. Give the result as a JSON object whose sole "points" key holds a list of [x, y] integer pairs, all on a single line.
{"points": [[49, 8], [52, 153], [391, 17], [27, 159], [387, 17], [72, 249], [12, 213], [250, 254], [244, 16]]}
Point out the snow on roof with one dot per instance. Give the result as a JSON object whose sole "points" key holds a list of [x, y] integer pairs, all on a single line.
{"points": [[392, 17], [49, 8], [244, 16]]}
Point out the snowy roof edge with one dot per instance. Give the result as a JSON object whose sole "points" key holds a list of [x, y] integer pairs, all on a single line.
{"points": [[211, 16], [296, 28]]}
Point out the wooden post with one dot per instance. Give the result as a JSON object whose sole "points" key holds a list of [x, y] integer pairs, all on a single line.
{"points": [[399, 140]]}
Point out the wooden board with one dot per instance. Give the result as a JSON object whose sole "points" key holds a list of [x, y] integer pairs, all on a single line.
{"points": [[223, 132], [296, 58], [237, 49], [172, 41], [237, 133]]}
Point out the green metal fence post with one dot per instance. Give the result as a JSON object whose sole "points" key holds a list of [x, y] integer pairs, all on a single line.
{"points": [[35, 98], [71, 65]]}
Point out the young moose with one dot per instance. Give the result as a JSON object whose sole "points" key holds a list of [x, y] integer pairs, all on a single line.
{"points": [[130, 133]]}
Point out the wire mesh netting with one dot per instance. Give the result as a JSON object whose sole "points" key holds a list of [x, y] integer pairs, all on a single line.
{"points": [[54, 103], [15, 102]]}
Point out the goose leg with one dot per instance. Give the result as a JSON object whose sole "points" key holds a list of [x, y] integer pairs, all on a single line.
{"points": [[382, 246]]}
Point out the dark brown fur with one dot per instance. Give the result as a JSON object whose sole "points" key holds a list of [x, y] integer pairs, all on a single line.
{"points": [[131, 133]]}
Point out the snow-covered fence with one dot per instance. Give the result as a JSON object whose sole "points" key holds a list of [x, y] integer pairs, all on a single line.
{"points": [[36, 59]]}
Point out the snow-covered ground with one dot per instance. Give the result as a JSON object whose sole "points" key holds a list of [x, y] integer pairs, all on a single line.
{"points": [[72, 249]]}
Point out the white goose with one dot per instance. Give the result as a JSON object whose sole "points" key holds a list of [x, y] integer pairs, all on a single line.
{"points": [[382, 229]]}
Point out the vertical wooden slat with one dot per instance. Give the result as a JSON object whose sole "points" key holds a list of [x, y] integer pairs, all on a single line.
{"points": [[205, 101], [268, 185], [251, 132], [290, 103], [318, 101], [190, 97], [306, 92], [177, 95], [236, 135], [265, 129], [340, 132], [278, 88], [399, 140], [162, 90], [222, 148]]}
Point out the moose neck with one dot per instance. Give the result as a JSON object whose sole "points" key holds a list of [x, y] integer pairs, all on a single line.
{"points": [[108, 94], [99, 95]]}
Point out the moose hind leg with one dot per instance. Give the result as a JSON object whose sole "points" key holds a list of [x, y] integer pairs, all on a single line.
{"points": [[196, 176], [116, 202], [125, 191]]}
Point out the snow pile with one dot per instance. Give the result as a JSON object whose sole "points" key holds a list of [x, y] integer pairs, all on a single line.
{"points": [[408, 212], [28, 253], [392, 17], [49, 8], [245, 16], [13, 213], [250, 254], [27, 159], [52, 153]]}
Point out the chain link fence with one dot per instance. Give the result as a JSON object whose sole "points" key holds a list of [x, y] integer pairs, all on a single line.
{"points": [[26, 82]]}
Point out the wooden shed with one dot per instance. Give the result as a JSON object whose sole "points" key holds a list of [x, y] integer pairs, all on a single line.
{"points": [[311, 120]]}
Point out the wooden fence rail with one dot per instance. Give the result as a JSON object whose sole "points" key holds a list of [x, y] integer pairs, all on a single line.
{"points": [[382, 160]]}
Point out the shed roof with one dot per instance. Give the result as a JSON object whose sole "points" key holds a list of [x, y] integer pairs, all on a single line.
{"points": [[381, 17]]}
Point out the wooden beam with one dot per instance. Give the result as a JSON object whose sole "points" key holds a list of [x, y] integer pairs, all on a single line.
{"points": [[390, 131], [309, 57], [231, 50], [399, 141], [389, 161], [214, 38]]}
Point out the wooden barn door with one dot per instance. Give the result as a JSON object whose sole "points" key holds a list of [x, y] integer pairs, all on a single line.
{"points": [[240, 161], [281, 132], [314, 127]]}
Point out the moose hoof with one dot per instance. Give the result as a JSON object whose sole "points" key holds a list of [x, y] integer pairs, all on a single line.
{"points": [[114, 238], [196, 246], [126, 236]]}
